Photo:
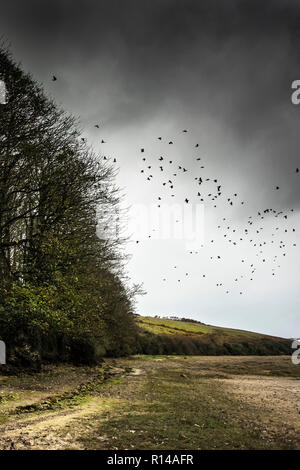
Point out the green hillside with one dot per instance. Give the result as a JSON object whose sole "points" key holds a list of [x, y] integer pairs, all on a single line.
{"points": [[184, 336]]}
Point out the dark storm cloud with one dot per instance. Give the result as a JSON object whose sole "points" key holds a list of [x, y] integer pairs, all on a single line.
{"points": [[233, 61], [245, 48]]}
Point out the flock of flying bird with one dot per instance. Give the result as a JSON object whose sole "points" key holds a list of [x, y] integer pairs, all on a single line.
{"points": [[250, 233]]}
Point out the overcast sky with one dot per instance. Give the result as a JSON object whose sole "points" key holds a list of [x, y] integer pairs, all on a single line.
{"points": [[222, 71]]}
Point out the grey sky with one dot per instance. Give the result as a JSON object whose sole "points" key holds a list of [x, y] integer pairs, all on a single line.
{"points": [[222, 70]]}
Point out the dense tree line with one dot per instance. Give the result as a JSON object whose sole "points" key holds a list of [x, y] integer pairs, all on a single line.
{"points": [[150, 343], [63, 295]]}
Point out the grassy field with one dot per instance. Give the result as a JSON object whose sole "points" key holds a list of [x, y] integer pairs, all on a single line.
{"points": [[193, 329], [155, 402], [167, 336]]}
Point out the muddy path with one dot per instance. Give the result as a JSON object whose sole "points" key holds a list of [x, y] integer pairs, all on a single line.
{"points": [[155, 403]]}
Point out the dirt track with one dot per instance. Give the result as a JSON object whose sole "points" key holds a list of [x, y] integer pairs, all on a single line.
{"points": [[215, 402]]}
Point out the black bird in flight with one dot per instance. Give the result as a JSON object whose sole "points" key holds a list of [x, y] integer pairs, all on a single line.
{"points": [[54, 78], [96, 125]]}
